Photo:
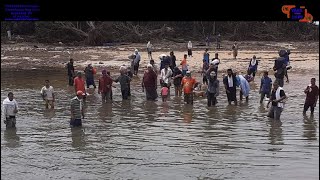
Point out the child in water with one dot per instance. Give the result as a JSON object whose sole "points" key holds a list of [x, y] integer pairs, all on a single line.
{"points": [[164, 92]]}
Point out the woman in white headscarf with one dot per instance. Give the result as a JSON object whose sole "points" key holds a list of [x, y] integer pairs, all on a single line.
{"points": [[189, 49]]}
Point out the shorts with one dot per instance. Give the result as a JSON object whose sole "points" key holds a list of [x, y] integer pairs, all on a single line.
{"points": [[76, 123]]}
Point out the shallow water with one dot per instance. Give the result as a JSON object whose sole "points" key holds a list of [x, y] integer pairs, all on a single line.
{"points": [[137, 139]]}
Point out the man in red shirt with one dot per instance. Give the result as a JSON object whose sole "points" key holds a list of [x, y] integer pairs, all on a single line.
{"points": [[105, 83], [79, 84], [312, 92], [188, 84]]}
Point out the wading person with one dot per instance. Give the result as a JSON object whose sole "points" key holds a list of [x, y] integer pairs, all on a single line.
{"points": [[230, 83], [105, 85], [165, 77], [213, 88], [149, 83], [184, 65], [71, 74], [173, 60], [47, 94], [265, 86], [89, 74], [10, 109], [276, 99], [287, 63], [79, 84], [136, 62], [244, 88], [279, 68], [312, 93], [77, 110], [215, 63], [177, 78], [188, 83], [253, 66], [164, 92], [124, 81]]}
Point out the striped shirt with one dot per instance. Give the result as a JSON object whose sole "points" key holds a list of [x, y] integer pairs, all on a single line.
{"points": [[76, 107]]}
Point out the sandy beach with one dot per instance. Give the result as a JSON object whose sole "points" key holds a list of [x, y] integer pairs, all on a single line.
{"points": [[22, 56]]}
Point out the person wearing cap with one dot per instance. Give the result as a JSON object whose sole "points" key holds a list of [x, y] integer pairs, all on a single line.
{"points": [[10, 109], [136, 62], [230, 83], [149, 83], [124, 81], [188, 83], [79, 84], [253, 66], [77, 110], [105, 85], [213, 87], [89, 74], [177, 78], [70, 69], [215, 63]]}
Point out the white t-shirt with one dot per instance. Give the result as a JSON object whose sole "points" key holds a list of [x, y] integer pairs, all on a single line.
{"points": [[9, 107], [47, 92], [166, 76], [230, 81]]}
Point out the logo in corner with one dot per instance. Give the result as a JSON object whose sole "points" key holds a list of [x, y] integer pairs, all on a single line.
{"points": [[297, 13]]}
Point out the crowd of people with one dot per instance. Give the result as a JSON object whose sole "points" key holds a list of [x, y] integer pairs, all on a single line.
{"points": [[179, 74]]}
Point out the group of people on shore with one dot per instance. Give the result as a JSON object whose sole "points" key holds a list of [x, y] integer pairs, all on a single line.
{"points": [[183, 82]]}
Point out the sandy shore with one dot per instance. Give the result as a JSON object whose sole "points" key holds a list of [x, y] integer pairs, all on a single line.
{"points": [[304, 55]]}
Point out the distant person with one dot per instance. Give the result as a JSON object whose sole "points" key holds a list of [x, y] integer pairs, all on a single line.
{"points": [[208, 41], [10, 109], [89, 74], [149, 83], [230, 83], [105, 86], [189, 49], [164, 92], [136, 62], [71, 74], [218, 41], [235, 50], [312, 93], [77, 110], [253, 66], [149, 50], [276, 99], [205, 67], [213, 88], [47, 94], [279, 68], [265, 86], [79, 84], [287, 63], [173, 60], [188, 83], [124, 81], [184, 65], [206, 56], [177, 78]]}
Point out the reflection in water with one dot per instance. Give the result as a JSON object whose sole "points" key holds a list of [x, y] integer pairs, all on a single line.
{"points": [[78, 137], [187, 113], [309, 127], [49, 113], [105, 111], [13, 140], [275, 133], [165, 108]]}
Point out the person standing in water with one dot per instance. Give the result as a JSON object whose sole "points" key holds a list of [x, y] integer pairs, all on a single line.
{"points": [[71, 74], [189, 49], [136, 62], [276, 99], [253, 66], [177, 78], [124, 81], [230, 82], [89, 73], [265, 86], [105, 85], [213, 87], [173, 60], [10, 109], [79, 84], [47, 94], [77, 110], [184, 65], [149, 83], [188, 83], [312, 93]]}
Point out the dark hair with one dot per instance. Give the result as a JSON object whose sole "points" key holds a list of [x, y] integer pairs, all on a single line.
{"points": [[71, 59], [206, 49], [229, 70], [46, 80], [185, 55], [10, 93], [151, 61], [265, 72], [313, 78]]}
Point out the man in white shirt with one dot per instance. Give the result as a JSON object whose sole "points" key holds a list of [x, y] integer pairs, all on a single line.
{"points": [[165, 76], [47, 94], [10, 109]]}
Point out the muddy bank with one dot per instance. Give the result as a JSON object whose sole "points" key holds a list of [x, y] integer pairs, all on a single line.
{"points": [[304, 55]]}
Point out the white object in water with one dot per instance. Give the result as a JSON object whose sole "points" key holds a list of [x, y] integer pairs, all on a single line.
{"points": [[91, 86], [267, 99]]}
